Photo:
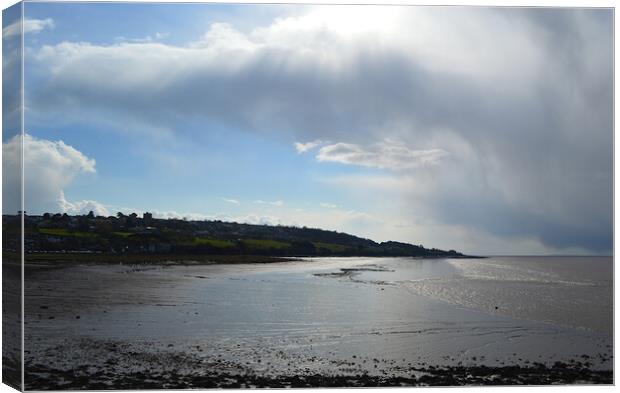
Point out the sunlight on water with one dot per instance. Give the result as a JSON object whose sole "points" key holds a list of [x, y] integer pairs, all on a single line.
{"points": [[571, 291]]}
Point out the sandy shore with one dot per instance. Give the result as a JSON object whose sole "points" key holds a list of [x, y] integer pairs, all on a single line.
{"points": [[172, 370]]}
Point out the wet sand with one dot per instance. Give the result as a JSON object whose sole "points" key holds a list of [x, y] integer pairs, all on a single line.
{"points": [[321, 322], [11, 321]]}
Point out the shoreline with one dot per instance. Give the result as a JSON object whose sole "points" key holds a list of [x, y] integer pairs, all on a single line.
{"points": [[40, 377], [60, 259], [44, 260]]}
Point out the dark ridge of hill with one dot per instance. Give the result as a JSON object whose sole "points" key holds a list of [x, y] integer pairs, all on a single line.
{"points": [[130, 234]]}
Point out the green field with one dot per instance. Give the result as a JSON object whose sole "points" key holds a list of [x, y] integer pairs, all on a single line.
{"points": [[330, 247], [200, 241], [122, 234], [66, 233], [204, 241], [261, 244]]}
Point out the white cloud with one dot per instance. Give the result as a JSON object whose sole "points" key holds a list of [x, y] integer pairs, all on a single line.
{"points": [[255, 219], [176, 215], [350, 221], [49, 167], [147, 39], [383, 155], [250, 218], [328, 205], [229, 200], [304, 147], [30, 26], [81, 207], [272, 203]]}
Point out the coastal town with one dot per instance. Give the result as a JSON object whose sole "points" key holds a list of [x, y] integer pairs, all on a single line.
{"points": [[133, 234]]}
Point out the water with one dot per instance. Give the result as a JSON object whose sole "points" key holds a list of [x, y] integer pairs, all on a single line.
{"points": [[565, 291], [327, 315]]}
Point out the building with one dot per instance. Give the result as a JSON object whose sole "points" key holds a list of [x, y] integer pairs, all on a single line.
{"points": [[147, 218]]}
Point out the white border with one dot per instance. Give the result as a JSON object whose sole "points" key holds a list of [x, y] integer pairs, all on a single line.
{"points": [[505, 3]]}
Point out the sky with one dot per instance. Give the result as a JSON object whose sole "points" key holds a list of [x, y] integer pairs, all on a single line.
{"points": [[485, 130]]}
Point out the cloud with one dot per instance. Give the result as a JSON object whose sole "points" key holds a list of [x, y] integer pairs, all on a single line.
{"points": [[352, 221], [272, 203], [304, 147], [29, 25], [49, 167], [522, 99], [148, 38], [255, 219], [250, 218], [328, 205], [81, 207], [233, 201], [383, 155], [363, 68]]}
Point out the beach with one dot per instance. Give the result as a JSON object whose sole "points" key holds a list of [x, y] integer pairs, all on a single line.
{"points": [[320, 322]]}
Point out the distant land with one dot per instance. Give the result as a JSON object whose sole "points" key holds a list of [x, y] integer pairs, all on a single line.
{"points": [[123, 236]]}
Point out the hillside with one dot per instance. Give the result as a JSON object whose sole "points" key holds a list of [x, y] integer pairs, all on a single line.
{"points": [[130, 234]]}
